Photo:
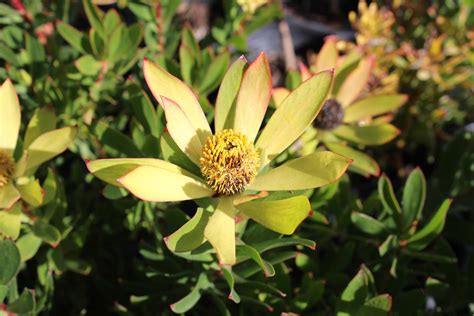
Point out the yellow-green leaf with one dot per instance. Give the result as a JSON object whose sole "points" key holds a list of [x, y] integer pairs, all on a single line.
{"points": [[191, 235], [361, 163], [279, 95], [109, 170], [225, 102], [253, 97], [308, 172], [367, 135], [10, 222], [282, 216], [151, 183], [182, 130], [10, 116], [43, 120], [220, 231], [31, 192], [355, 82], [162, 83], [372, 106], [8, 196], [295, 114], [49, 145], [327, 56]]}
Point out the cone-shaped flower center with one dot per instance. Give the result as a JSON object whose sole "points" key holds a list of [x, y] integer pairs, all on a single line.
{"points": [[331, 115], [229, 162], [7, 165]]}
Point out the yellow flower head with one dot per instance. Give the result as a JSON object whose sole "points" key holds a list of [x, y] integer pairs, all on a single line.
{"points": [[229, 162], [250, 6], [40, 144], [7, 166]]}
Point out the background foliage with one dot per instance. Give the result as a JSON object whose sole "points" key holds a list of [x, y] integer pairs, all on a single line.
{"points": [[400, 243]]}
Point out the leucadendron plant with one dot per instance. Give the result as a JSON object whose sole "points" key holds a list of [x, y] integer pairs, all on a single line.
{"points": [[19, 159], [349, 117], [230, 165]]}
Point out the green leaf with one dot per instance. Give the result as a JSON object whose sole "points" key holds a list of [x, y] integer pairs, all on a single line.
{"points": [[283, 242], [9, 261], [361, 163], [367, 135], [389, 244], [310, 293], [31, 192], [191, 235], [50, 187], [295, 114], [47, 232], [229, 88], [229, 277], [355, 294], [373, 106], [376, 306], [112, 20], [172, 153], [117, 140], [186, 63], [8, 55], [28, 246], [349, 63], [24, 304], [188, 302], [74, 37], [214, 73], [114, 193], [88, 65], [250, 252], [389, 201], [367, 224], [43, 120], [49, 145], [10, 222], [414, 195], [282, 216], [431, 230], [94, 16], [144, 110]]}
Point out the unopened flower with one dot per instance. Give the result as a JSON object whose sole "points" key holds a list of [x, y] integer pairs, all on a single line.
{"points": [[349, 114], [232, 162], [41, 143]]}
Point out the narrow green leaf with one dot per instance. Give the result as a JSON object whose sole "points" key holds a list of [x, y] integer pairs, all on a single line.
{"points": [[191, 235], [214, 73], [389, 201], [431, 230], [74, 37], [376, 306], [117, 140], [94, 15], [414, 195], [229, 277], [252, 253], [188, 302], [367, 135], [367, 224]]}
